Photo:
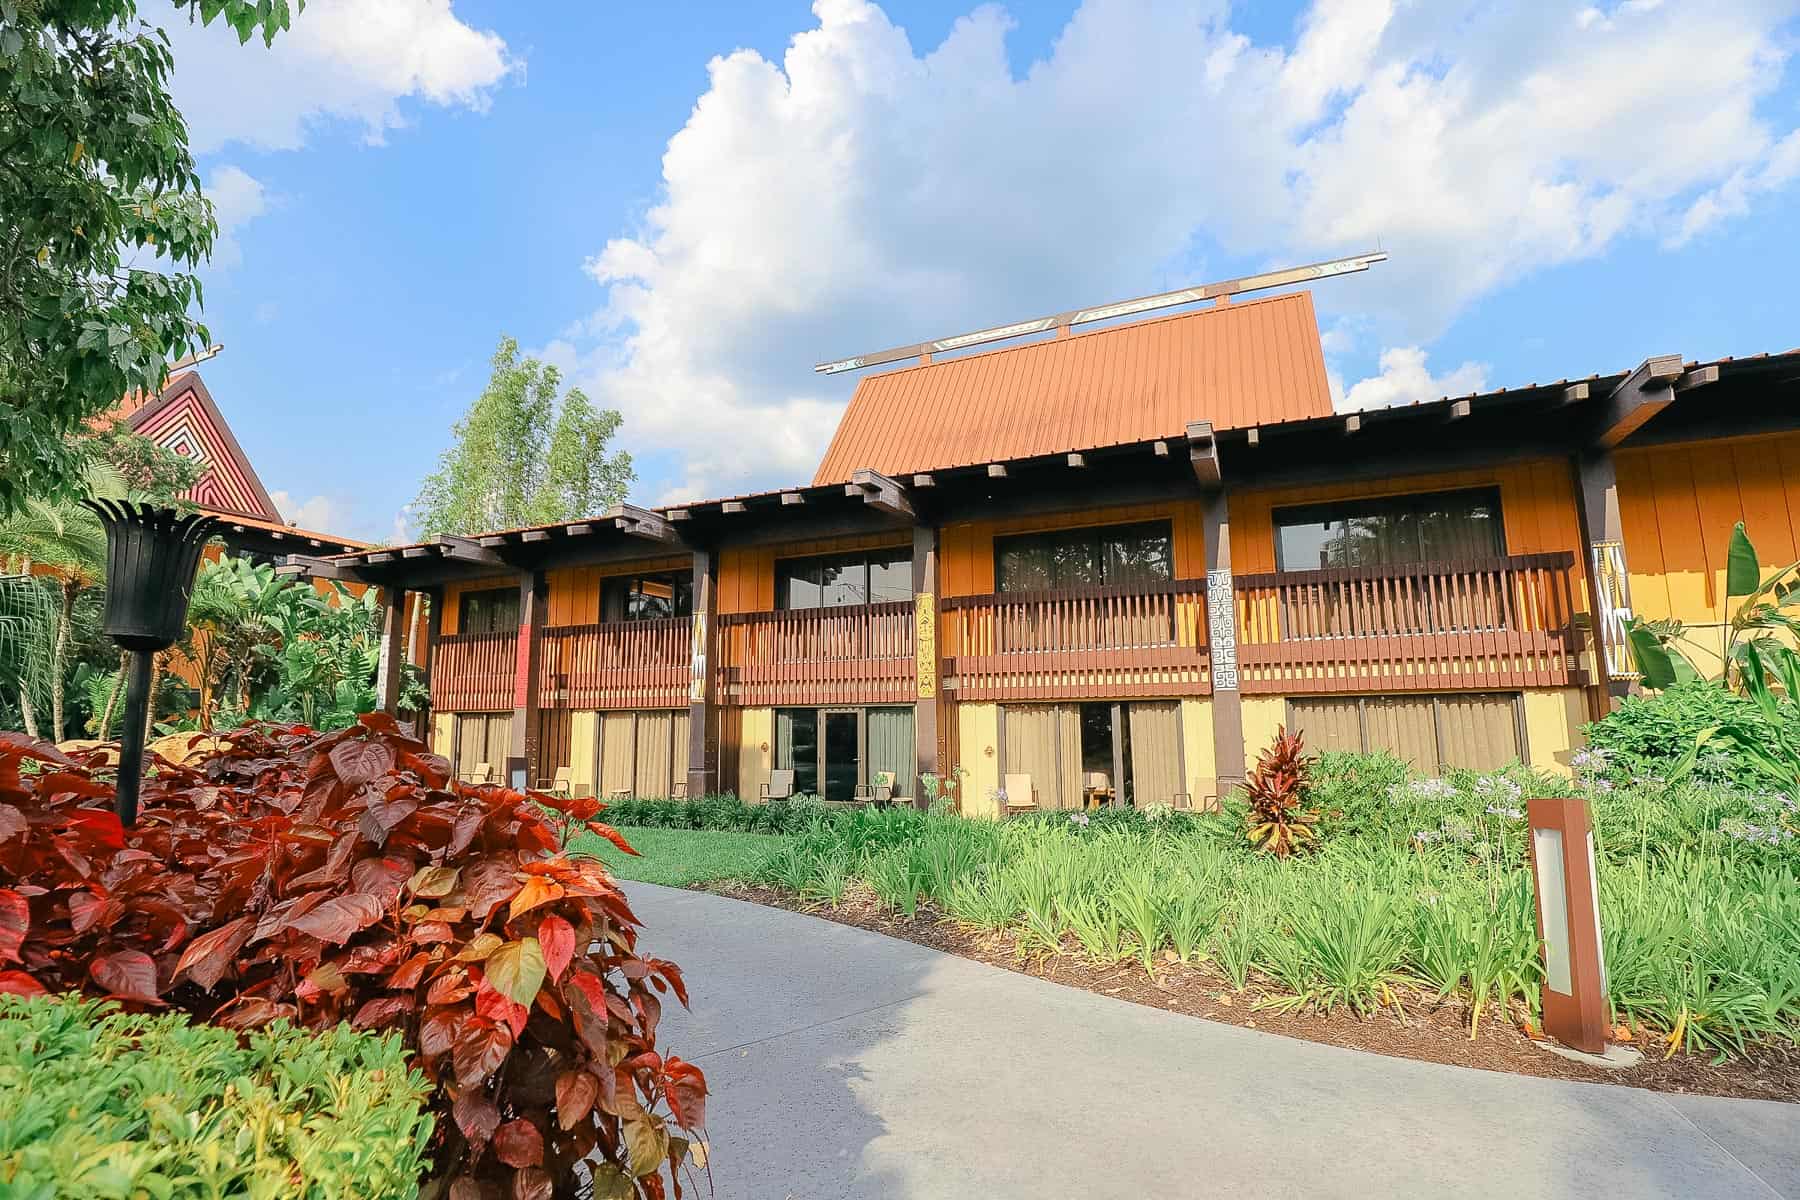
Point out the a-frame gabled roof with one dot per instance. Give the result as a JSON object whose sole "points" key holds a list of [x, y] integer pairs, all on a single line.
{"points": [[184, 420], [1235, 365]]}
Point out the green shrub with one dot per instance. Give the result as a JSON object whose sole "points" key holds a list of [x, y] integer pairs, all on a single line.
{"points": [[1648, 732], [97, 1103]]}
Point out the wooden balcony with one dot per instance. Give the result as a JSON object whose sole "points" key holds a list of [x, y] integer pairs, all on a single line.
{"points": [[861, 654], [474, 672], [1098, 642], [1492, 623], [617, 664]]}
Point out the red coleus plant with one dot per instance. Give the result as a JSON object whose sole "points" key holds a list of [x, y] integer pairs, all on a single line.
{"points": [[348, 877], [1276, 789]]}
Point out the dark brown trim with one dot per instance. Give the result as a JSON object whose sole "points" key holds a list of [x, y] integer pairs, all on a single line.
{"points": [[1545, 560]]}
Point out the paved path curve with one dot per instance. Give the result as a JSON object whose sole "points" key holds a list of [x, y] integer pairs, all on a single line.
{"points": [[848, 1064]]}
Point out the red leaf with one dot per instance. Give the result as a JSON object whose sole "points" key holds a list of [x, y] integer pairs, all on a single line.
{"points": [[537, 890], [489, 882], [251, 1012], [481, 1046], [12, 822], [438, 1034], [208, 956], [30, 747], [383, 1010], [408, 974], [576, 1092], [337, 919], [381, 877], [519, 1144], [358, 760], [15, 919], [102, 827], [685, 1086], [127, 974], [18, 983], [496, 1007], [449, 988], [557, 937], [533, 1183], [612, 835], [433, 769], [476, 1116], [62, 783]]}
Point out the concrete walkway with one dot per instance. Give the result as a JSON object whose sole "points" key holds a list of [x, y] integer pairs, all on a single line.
{"points": [[847, 1064]]}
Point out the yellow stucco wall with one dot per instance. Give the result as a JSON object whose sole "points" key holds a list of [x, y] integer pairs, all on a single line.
{"points": [[1553, 721], [583, 726], [1263, 715], [756, 751], [443, 734], [978, 744], [1197, 750]]}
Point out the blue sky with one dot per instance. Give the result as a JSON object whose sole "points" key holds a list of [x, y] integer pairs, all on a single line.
{"points": [[686, 229]]}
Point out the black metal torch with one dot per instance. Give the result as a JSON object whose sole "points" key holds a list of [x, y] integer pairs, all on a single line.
{"points": [[151, 557]]}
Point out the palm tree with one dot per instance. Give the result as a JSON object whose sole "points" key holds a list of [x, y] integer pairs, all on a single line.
{"points": [[63, 544]]}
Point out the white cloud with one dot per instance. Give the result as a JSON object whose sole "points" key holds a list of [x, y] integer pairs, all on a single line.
{"points": [[321, 514], [1404, 379], [1732, 198], [861, 193], [237, 199], [341, 58]]}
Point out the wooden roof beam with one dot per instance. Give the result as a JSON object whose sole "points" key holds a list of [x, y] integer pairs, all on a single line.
{"points": [[1639, 397], [1203, 453], [1699, 377], [312, 567], [1353, 423], [637, 522], [996, 470], [1458, 410], [881, 493], [462, 549], [733, 506], [789, 499], [1078, 461]]}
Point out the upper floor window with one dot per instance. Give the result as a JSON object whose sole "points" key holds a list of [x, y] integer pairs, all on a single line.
{"points": [[490, 610], [647, 597], [833, 581], [1064, 558], [1390, 531]]}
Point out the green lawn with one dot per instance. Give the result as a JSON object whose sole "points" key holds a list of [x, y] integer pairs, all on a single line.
{"points": [[678, 857]]}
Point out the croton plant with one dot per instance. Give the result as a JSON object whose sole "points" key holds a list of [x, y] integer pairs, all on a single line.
{"points": [[279, 873]]}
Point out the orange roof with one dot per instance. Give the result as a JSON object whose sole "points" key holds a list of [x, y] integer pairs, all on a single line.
{"points": [[1234, 365]]}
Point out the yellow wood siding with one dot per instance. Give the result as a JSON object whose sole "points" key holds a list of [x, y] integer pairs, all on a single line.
{"points": [[966, 548]]}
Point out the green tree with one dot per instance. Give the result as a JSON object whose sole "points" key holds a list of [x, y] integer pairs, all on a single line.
{"points": [[95, 176], [521, 458]]}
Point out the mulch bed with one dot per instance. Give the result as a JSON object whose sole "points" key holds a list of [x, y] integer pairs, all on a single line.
{"points": [[1431, 1031]]}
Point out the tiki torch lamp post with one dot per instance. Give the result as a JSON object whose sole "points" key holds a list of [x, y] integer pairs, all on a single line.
{"points": [[151, 556]]}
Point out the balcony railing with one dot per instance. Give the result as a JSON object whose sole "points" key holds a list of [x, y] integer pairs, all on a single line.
{"points": [[1498, 622], [474, 672], [617, 664], [1107, 642], [860, 654]]}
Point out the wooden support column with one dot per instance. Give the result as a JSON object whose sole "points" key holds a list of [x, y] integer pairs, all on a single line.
{"points": [[703, 707], [925, 644], [1221, 619], [1608, 578], [522, 750], [434, 630], [393, 648]]}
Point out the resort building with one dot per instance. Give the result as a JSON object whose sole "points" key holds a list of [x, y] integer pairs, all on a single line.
{"points": [[1109, 565]]}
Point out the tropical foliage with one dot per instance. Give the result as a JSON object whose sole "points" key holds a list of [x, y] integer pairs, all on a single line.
{"points": [[100, 1102], [1276, 789], [103, 222], [522, 458], [287, 875]]}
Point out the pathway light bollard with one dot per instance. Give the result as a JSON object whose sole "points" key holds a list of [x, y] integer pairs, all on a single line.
{"points": [[1568, 912], [151, 557]]}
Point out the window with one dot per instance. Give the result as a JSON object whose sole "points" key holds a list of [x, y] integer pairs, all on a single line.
{"points": [[1067, 558], [1390, 531], [1482, 731], [647, 597], [491, 610], [838, 580]]}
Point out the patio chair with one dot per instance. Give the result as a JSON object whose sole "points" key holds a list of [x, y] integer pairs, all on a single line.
{"points": [[880, 792], [562, 785], [1096, 789], [483, 773], [779, 787], [1019, 795]]}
